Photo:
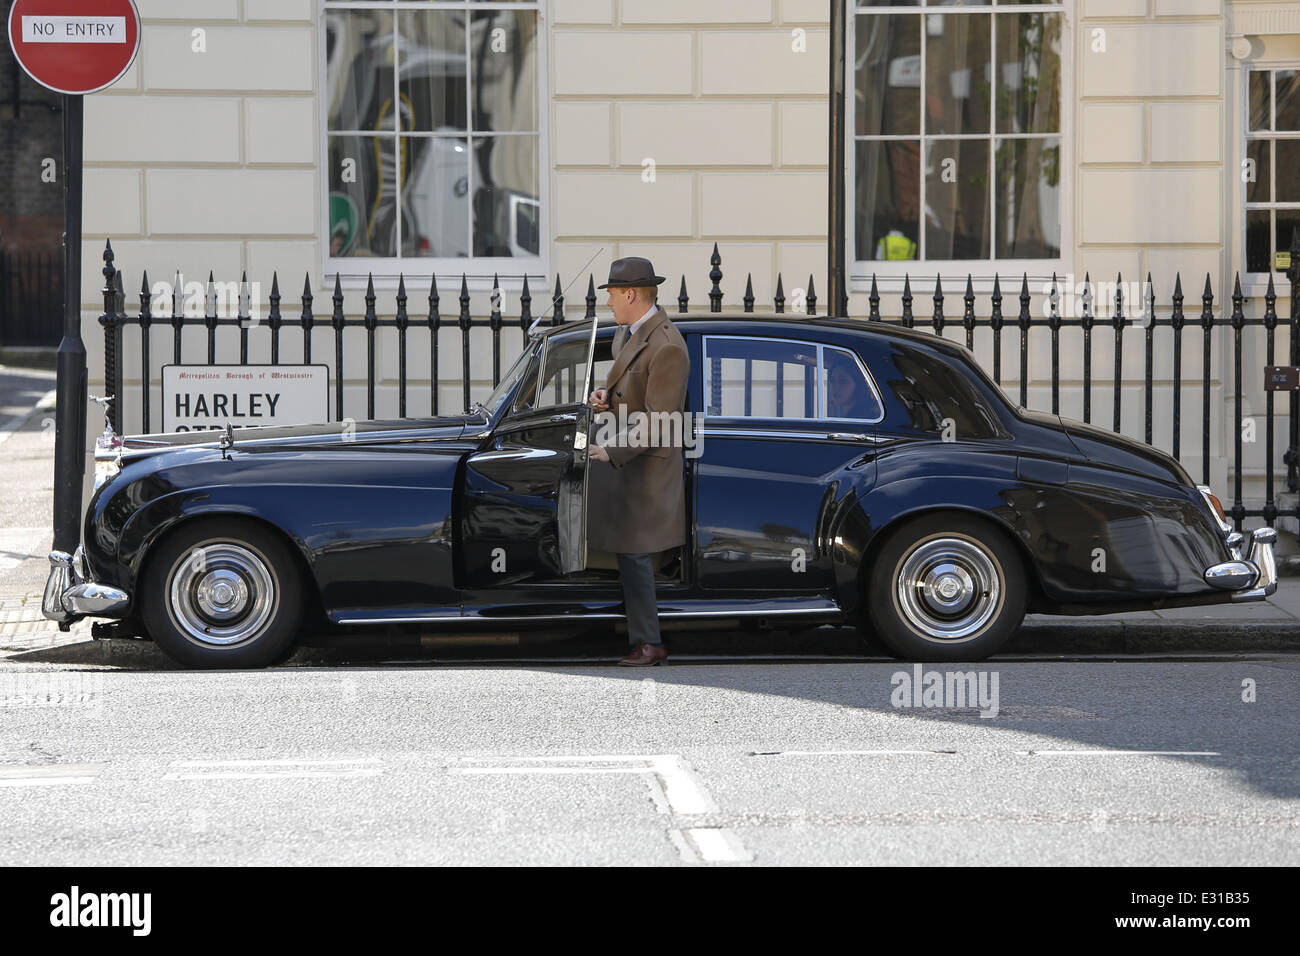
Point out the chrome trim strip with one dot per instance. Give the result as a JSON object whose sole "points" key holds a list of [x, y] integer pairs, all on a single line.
{"points": [[765, 433], [593, 616]]}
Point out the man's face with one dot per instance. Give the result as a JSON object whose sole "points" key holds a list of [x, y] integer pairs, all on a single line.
{"points": [[625, 304]]}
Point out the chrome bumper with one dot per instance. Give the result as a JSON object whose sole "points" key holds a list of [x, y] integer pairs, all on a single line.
{"points": [[70, 594], [1252, 575]]}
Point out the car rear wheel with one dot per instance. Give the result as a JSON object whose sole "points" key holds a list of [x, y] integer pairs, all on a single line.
{"points": [[946, 588], [225, 594]]}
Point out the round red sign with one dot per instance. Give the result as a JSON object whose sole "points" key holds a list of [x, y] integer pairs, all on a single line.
{"points": [[74, 46]]}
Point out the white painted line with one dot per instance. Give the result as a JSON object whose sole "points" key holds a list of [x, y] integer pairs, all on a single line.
{"points": [[9, 428], [486, 770], [1118, 753], [275, 763], [42, 781], [48, 775], [684, 790], [271, 774], [718, 845], [674, 786], [851, 753], [272, 769]]}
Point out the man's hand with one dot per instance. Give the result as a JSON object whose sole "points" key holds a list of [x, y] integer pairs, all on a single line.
{"points": [[598, 453], [599, 400]]}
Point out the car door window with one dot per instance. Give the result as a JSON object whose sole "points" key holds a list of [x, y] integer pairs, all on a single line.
{"points": [[850, 393], [760, 378]]}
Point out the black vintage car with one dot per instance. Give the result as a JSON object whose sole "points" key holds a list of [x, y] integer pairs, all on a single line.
{"points": [[835, 472]]}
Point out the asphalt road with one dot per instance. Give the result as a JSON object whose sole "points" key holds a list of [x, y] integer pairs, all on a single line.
{"points": [[1086, 762]]}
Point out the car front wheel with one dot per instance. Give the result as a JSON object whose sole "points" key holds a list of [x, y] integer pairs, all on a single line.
{"points": [[222, 594], [946, 588]]}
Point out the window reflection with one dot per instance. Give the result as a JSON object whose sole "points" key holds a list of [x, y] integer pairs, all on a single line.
{"points": [[442, 101]]}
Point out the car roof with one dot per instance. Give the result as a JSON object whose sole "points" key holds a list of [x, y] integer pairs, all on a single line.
{"points": [[768, 322]]}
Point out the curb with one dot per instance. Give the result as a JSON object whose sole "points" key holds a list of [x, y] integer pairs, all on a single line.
{"points": [[1066, 638]]}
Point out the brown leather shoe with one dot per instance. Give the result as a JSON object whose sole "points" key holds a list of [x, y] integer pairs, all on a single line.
{"points": [[645, 655]]}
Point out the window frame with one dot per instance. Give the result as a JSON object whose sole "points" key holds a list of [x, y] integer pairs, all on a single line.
{"points": [[481, 271], [1256, 282], [891, 273], [820, 377]]}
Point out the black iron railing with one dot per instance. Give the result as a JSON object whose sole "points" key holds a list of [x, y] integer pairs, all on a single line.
{"points": [[1095, 319]]}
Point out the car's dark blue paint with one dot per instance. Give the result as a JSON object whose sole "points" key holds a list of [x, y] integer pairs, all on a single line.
{"points": [[401, 520]]}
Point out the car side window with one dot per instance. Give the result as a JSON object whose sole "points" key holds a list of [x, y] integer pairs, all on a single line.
{"points": [[849, 393], [760, 378], [938, 398]]}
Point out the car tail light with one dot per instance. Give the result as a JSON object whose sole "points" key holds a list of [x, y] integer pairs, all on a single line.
{"points": [[1216, 507]]}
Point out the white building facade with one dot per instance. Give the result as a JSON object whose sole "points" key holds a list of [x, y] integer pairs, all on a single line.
{"points": [[363, 139]]}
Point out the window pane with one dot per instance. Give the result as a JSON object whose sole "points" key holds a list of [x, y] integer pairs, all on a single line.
{"points": [[1259, 99], [505, 196], [848, 393], [1258, 232], [887, 73], [957, 199], [437, 196], [359, 74], [934, 392], [1261, 151], [362, 200], [957, 73], [761, 379], [1287, 171], [1288, 99], [503, 58], [1029, 73], [433, 70], [1288, 220], [1028, 198], [888, 198]]}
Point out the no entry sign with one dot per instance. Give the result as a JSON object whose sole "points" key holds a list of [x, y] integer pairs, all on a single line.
{"points": [[74, 46]]}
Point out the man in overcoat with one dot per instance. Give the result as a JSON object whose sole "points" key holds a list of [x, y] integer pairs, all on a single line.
{"points": [[644, 508]]}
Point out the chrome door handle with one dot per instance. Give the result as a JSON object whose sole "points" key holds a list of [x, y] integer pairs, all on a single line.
{"points": [[847, 436], [564, 418]]}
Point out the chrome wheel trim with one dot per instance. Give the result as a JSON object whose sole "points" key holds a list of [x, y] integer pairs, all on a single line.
{"points": [[221, 594], [948, 588]]}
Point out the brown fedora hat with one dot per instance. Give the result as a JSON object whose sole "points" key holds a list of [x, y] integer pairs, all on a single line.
{"points": [[632, 270]]}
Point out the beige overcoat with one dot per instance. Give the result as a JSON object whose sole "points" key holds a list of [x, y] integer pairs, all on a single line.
{"points": [[636, 502]]}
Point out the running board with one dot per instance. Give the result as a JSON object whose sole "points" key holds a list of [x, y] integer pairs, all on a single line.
{"points": [[668, 609]]}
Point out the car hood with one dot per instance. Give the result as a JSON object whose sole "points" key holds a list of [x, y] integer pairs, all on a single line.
{"points": [[346, 433]]}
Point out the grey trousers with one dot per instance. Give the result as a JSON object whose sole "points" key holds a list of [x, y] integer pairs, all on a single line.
{"points": [[637, 574]]}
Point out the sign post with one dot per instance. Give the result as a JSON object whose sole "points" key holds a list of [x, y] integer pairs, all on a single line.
{"points": [[73, 47]]}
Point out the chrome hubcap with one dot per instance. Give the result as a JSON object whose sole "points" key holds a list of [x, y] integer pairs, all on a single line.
{"points": [[222, 594], [949, 588]]}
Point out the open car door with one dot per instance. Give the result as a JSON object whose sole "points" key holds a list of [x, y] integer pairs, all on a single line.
{"points": [[524, 496]]}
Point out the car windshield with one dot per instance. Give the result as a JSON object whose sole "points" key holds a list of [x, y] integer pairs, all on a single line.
{"points": [[508, 382]]}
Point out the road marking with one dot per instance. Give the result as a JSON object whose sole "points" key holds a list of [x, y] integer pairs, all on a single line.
{"points": [[19, 544], [9, 428], [48, 775], [718, 845], [272, 769], [675, 787], [849, 753]]}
